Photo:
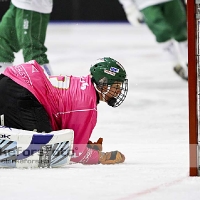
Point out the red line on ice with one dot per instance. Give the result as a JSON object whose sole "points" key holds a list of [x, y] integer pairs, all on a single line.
{"points": [[153, 189]]}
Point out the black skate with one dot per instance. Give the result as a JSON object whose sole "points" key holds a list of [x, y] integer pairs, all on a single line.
{"points": [[181, 72]]}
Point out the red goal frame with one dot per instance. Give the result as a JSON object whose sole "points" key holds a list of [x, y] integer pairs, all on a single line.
{"points": [[192, 86]]}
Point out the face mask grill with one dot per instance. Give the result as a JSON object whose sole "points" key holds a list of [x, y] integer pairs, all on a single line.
{"points": [[114, 94]]}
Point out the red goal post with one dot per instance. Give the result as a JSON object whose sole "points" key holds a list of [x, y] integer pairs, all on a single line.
{"points": [[193, 15]]}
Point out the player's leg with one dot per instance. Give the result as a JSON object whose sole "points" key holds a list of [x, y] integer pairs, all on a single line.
{"points": [[156, 21], [20, 108], [158, 25], [8, 39], [31, 32], [176, 16]]}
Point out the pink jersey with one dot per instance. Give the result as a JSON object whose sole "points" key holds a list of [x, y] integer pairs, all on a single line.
{"points": [[70, 102]]}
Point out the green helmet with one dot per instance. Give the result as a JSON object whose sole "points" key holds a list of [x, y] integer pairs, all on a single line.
{"points": [[107, 71]]}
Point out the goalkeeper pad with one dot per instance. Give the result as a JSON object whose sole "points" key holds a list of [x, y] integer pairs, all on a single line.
{"points": [[29, 149]]}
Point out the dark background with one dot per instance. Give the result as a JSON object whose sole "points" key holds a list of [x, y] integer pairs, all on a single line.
{"points": [[81, 10]]}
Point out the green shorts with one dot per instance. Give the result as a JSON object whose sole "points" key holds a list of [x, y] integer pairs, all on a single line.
{"points": [[23, 30], [167, 20]]}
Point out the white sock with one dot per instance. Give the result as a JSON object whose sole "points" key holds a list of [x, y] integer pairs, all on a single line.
{"points": [[47, 68], [183, 49], [170, 52], [3, 66]]}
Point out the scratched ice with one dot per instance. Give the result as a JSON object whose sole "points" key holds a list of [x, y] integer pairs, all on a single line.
{"points": [[150, 127]]}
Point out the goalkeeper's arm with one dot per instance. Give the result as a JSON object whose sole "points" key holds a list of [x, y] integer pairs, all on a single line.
{"points": [[93, 154], [112, 157]]}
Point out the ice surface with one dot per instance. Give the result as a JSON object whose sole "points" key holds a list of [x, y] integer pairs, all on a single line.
{"points": [[150, 127]]}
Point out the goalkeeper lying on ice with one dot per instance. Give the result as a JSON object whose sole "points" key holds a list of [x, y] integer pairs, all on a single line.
{"points": [[32, 100]]}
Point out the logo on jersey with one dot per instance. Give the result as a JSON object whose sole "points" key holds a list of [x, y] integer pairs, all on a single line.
{"points": [[84, 84], [34, 69], [21, 71]]}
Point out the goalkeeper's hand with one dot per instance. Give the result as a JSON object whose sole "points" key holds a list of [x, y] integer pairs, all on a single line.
{"points": [[112, 157], [134, 16], [96, 145]]}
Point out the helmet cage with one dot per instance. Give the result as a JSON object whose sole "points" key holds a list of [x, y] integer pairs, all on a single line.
{"points": [[108, 95]]}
